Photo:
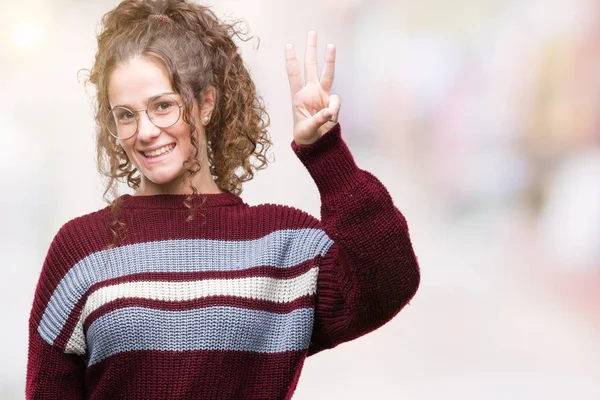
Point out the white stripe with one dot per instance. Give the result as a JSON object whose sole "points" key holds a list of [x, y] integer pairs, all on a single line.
{"points": [[258, 288]]}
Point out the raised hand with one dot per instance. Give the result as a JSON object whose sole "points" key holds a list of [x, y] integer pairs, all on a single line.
{"points": [[315, 110]]}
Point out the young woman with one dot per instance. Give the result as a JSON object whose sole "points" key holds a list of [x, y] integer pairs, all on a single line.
{"points": [[183, 291]]}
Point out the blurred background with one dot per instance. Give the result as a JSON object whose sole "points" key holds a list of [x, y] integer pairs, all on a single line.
{"points": [[482, 119]]}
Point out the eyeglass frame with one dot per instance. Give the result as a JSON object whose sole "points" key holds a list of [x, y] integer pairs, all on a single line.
{"points": [[137, 115]]}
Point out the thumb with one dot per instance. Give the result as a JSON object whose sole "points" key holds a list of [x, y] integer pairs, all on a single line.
{"points": [[319, 119], [335, 104], [322, 117]]}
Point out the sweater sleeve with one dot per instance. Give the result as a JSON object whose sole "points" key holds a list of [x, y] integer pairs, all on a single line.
{"points": [[51, 373], [370, 271]]}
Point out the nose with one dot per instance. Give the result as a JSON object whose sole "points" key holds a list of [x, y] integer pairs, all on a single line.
{"points": [[147, 131]]}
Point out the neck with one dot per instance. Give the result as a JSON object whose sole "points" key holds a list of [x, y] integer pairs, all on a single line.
{"points": [[203, 183]]}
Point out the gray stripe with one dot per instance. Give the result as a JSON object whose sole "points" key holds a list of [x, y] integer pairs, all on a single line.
{"points": [[212, 328], [282, 249]]}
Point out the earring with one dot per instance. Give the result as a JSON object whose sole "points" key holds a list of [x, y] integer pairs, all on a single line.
{"points": [[206, 119]]}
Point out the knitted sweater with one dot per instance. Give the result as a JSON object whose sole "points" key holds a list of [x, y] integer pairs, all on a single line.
{"points": [[227, 306]]}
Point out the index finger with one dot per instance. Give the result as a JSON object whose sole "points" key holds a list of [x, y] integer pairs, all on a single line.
{"points": [[293, 70]]}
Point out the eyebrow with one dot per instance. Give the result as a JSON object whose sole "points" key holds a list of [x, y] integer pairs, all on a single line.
{"points": [[156, 96]]}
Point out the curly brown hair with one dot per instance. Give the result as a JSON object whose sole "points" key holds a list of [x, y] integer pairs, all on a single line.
{"points": [[196, 50]]}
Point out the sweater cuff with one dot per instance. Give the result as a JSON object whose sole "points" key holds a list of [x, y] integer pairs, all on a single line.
{"points": [[329, 162]]}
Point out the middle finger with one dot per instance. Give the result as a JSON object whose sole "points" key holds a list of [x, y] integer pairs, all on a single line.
{"points": [[310, 58]]}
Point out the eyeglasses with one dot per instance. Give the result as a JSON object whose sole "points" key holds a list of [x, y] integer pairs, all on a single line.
{"points": [[163, 111]]}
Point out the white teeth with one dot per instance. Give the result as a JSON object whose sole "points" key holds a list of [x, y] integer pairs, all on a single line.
{"points": [[160, 151]]}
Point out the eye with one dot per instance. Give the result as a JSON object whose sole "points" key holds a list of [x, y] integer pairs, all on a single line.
{"points": [[164, 107], [124, 116]]}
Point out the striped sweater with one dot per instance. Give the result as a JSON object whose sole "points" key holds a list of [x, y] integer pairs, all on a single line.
{"points": [[227, 306]]}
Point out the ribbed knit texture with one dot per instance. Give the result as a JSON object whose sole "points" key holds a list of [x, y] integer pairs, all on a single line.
{"points": [[227, 306]]}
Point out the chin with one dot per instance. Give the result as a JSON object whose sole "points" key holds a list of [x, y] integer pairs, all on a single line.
{"points": [[163, 178], [159, 181]]}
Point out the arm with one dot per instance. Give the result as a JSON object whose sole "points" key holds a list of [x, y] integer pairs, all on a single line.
{"points": [[369, 272], [51, 373]]}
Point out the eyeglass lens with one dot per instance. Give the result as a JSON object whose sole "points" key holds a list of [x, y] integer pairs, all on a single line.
{"points": [[163, 111]]}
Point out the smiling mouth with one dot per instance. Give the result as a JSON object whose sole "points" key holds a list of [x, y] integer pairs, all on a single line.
{"points": [[159, 152]]}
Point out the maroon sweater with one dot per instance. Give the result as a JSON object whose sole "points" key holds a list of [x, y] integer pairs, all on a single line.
{"points": [[227, 306]]}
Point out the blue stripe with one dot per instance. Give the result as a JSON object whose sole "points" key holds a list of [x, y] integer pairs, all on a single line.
{"points": [[212, 328], [282, 249]]}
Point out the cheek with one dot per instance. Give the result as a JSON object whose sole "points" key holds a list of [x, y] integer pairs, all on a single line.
{"points": [[128, 150], [183, 139]]}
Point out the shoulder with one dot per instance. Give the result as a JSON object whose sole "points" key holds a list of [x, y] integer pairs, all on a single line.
{"points": [[87, 223], [286, 216], [82, 235], [295, 225], [75, 240]]}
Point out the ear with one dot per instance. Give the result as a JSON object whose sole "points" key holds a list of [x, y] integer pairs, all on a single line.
{"points": [[208, 99]]}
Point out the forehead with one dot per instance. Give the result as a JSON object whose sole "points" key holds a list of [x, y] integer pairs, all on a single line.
{"points": [[134, 81]]}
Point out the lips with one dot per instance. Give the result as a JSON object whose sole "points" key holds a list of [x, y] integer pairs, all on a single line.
{"points": [[149, 162], [158, 151]]}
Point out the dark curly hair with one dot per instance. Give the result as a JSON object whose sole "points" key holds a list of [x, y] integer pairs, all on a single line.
{"points": [[196, 50]]}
